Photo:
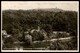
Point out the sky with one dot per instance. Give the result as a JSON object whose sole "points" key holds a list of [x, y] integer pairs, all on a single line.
{"points": [[25, 5]]}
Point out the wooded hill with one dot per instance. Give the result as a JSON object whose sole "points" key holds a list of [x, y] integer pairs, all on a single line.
{"points": [[22, 20]]}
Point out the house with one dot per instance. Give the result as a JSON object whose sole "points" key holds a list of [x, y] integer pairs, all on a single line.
{"points": [[35, 30], [44, 33], [28, 37], [68, 33], [54, 32], [61, 32], [4, 33]]}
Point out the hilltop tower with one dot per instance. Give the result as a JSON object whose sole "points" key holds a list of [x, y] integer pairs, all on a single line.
{"points": [[56, 8]]}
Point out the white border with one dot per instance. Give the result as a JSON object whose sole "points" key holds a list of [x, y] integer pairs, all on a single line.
{"points": [[43, 50]]}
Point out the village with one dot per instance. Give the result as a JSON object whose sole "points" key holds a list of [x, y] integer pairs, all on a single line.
{"points": [[29, 38]]}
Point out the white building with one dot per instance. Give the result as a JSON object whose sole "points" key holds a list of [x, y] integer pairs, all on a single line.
{"points": [[54, 32], [28, 38], [61, 32], [4, 33]]}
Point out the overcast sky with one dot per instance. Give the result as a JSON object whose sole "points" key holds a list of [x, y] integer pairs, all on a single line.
{"points": [[24, 5]]}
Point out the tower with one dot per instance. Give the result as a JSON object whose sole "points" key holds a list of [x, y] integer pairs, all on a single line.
{"points": [[38, 28], [56, 8]]}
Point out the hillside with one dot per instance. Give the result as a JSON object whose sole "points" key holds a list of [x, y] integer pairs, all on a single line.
{"points": [[19, 24], [46, 19]]}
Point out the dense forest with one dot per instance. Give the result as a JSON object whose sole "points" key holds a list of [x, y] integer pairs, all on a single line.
{"points": [[21, 20]]}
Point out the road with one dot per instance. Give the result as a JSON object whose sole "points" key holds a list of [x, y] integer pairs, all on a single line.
{"points": [[67, 38]]}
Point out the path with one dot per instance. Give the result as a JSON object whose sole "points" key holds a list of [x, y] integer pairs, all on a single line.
{"points": [[67, 38]]}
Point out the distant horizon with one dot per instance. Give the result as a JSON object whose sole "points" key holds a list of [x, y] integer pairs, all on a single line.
{"points": [[29, 5], [37, 9]]}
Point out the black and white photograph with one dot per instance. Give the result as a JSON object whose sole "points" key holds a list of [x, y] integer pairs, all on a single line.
{"points": [[40, 26]]}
